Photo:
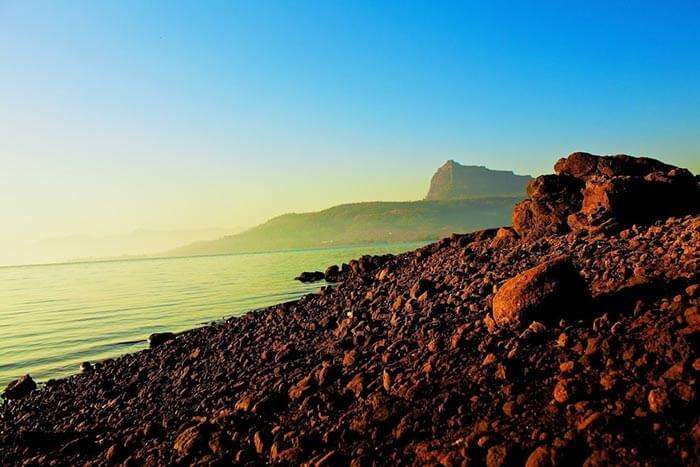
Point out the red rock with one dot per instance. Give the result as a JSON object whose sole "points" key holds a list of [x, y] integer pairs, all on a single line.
{"points": [[356, 385], [583, 165], [302, 388], [658, 400], [504, 236], [245, 403], [692, 316], [288, 456], [259, 442], [497, 456], [423, 286], [563, 391], [189, 441], [115, 453], [542, 293], [589, 421], [540, 457]]}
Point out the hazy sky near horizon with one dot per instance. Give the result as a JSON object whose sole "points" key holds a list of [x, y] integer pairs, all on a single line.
{"points": [[120, 115]]}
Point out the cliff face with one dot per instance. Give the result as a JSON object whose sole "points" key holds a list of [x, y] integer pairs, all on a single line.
{"points": [[570, 345], [455, 181]]}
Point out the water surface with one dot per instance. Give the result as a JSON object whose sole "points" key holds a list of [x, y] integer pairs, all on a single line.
{"points": [[53, 317]]}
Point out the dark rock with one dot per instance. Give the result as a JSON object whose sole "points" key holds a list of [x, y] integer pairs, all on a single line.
{"points": [[313, 276], [332, 274], [632, 200], [159, 338], [19, 388], [421, 287]]}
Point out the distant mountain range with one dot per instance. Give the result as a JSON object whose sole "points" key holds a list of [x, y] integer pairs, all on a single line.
{"points": [[456, 181], [460, 199], [137, 243]]}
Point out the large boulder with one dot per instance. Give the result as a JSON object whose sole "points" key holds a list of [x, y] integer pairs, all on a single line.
{"points": [[630, 199], [589, 192], [583, 165], [533, 219], [552, 199], [19, 388], [159, 338], [546, 293]]}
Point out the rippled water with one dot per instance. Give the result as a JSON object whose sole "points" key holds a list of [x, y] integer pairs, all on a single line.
{"points": [[53, 317]]}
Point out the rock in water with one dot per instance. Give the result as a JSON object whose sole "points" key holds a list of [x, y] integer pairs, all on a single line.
{"points": [[159, 338], [19, 388], [544, 293], [313, 276]]}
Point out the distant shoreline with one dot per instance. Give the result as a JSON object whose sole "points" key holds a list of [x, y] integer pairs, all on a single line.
{"points": [[237, 253]]}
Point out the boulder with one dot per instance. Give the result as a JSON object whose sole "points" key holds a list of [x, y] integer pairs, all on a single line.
{"points": [[159, 338], [583, 165], [640, 200], [590, 192], [19, 388], [504, 236], [189, 441], [544, 293], [552, 199], [312, 276], [332, 273], [563, 189], [541, 457], [533, 219]]}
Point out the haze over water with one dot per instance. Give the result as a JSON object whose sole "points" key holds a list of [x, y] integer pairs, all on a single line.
{"points": [[53, 317]]}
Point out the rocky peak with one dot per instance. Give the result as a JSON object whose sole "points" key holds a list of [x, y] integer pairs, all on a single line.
{"points": [[456, 181], [590, 192]]}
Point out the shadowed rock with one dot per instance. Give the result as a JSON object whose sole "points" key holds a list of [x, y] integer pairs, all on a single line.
{"points": [[312, 276], [589, 192], [19, 388], [159, 338], [548, 292]]}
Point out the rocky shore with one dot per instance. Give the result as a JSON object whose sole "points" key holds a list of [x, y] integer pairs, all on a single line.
{"points": [[570, 339]]}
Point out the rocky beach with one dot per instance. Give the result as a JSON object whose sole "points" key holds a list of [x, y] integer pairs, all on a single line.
{"points": [[569, 339]]}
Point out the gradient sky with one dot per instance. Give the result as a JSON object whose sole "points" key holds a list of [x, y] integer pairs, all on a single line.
{"points": [[123, 115]]}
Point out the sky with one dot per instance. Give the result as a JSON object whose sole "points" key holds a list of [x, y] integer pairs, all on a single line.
{"points": [[123, 115]]}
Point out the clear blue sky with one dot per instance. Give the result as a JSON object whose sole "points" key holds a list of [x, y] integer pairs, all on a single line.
{"points": [[119, 115]]}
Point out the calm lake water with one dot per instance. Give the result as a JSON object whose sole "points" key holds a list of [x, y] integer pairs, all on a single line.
{"points": [[53, 317]]}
